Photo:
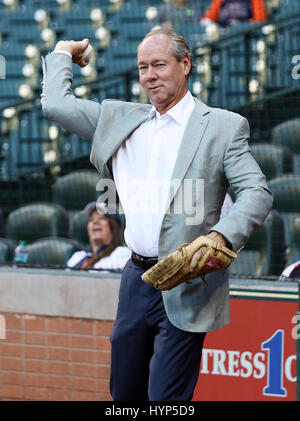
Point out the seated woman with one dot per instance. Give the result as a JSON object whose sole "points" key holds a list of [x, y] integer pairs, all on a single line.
{"points": [[107, 251]]}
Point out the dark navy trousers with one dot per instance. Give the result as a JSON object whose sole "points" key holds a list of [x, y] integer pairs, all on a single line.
{"points": [[151, 359]]}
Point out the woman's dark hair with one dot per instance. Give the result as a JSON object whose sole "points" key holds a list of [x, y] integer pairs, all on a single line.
{"points": [[116, 241]]}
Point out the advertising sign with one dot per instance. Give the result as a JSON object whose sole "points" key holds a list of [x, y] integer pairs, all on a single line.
{"points": [[254, 357]]}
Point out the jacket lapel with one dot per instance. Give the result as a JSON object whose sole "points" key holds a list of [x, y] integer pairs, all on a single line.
{"points": [[188, 147], [191, 139], [127, 124]]}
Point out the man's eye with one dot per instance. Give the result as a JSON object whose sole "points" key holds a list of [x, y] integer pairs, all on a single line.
{"points": [[159, 65], [143, 67]]}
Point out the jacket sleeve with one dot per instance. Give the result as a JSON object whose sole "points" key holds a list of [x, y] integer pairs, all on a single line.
{"points": [[79, 116], [253, 197]]}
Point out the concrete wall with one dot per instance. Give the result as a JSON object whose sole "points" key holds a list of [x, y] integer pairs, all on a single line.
{"points": [[55, 342]]}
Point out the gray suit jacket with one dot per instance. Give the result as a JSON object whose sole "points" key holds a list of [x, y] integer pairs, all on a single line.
{"points": [[214, 149]]}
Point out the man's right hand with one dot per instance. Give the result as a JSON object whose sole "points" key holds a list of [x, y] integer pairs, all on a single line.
{"points": [[75, 48]]}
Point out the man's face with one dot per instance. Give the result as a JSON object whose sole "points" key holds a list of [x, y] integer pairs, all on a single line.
{"points": [[162, 77]]}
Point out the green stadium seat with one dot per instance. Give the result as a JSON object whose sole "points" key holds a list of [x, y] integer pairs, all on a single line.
{"points": [[193, 32], [37, 220], [265, 251], [286, 8], [51, 6], [286, 192], [294, 249], [76, 15], [288, 134], [76, 147], [27, 34], [276, 252], [23, 15], [78, 228], [274, 160], [122, 48], [229, 62], [134, 31], [2, 222], [14, 68], [73, 191], [119, 57], [132, 12], [15, 53], [78, 32], [252, 260], [7, 249], [10, 91], [51, 251]]}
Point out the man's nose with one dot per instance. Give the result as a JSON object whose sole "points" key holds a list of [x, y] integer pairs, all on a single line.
{"points": [[151, 74]]}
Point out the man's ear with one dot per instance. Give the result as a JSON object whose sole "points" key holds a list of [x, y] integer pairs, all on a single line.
{"points": [[186, 64]]}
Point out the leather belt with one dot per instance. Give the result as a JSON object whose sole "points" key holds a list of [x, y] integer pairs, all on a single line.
{"points": [[142, 261]]}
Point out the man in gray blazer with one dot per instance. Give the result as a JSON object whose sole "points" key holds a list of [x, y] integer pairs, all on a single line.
{"points": [[157, 337]]}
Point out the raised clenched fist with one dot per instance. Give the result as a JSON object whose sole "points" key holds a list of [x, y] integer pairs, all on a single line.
{"points": [[76, 49]]}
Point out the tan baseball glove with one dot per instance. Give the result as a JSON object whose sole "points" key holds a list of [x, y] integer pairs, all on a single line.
{"points": [[174, 269]]}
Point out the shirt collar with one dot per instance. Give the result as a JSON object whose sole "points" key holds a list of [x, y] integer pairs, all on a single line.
{"points": [[180, 112]]}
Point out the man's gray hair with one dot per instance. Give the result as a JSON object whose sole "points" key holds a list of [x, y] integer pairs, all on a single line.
{"points": [[180, 45]]}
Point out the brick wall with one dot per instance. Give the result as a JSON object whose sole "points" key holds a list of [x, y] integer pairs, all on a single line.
{"points": [[54, 358]]}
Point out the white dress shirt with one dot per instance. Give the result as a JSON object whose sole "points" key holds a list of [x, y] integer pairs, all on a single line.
{"points": [[142, 169], [116, 260]]}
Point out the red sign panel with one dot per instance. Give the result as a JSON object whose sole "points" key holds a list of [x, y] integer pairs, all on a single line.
{"points": [[254, 357]]}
